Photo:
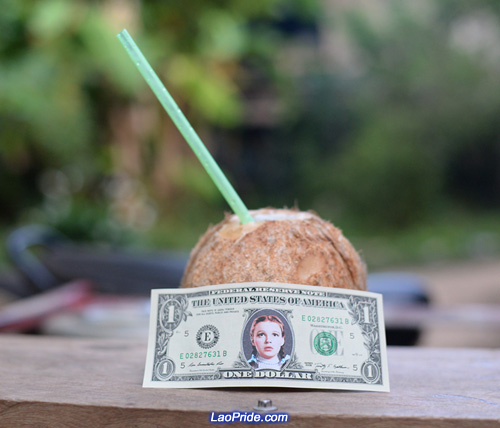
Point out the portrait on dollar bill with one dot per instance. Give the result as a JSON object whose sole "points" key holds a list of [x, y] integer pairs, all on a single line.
{"points": [[267, 340]]}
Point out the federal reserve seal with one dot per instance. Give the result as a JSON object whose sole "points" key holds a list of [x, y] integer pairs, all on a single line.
{"points": [[207, 336], [325, 343]]}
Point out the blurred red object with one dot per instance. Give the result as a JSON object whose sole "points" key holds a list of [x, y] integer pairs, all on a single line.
{"points": [[26, 314]]}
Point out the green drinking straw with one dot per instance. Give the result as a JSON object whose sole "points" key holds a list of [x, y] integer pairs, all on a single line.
{"points": [[185, 128]]}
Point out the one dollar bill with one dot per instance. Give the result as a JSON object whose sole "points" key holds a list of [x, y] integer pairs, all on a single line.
{"points": [[266, 334]]}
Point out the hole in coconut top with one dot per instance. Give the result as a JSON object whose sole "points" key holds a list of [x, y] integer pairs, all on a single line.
{"points": [[288, 215]]}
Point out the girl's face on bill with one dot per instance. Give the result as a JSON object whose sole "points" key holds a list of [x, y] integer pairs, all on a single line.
{"points": [[267, 339]]}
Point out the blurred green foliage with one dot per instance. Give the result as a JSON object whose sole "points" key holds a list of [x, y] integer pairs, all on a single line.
{"points": [[418, 99], [382, 115], [84, 144]]}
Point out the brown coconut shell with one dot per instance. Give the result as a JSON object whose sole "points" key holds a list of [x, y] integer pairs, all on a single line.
{"points": [[282, 245]]}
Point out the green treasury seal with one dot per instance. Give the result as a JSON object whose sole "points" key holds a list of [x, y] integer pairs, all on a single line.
{"points": [[325, 343]]}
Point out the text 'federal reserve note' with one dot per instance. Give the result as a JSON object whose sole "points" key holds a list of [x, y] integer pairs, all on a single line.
{"points": [[266, 334]]}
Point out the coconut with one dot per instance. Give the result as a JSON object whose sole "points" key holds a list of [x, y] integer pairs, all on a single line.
{"points": [[282, 245]]}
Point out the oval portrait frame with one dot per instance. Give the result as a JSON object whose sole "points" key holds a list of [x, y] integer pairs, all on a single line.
{"points": [[246, 344]]}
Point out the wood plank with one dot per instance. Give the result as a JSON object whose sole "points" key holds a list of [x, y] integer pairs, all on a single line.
{"points": [[55, 382]]}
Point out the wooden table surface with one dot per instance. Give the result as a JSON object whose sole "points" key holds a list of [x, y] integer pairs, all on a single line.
{"points": [[63, 382]]}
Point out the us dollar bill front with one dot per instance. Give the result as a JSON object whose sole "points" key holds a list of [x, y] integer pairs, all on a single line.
{"points": [[266, 334]]}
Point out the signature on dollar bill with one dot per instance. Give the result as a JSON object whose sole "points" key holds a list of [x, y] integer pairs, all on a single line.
{"points": [[266, 334]]}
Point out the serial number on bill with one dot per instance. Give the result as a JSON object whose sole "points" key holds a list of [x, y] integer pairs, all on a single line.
{"points": [[325, 320], [202, 354]]}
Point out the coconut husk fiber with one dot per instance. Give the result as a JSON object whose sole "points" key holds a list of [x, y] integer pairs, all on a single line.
{"points": [[282, 245]]}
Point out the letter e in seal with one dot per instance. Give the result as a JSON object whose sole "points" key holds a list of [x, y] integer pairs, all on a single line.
{"points": [[207, 336]]}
